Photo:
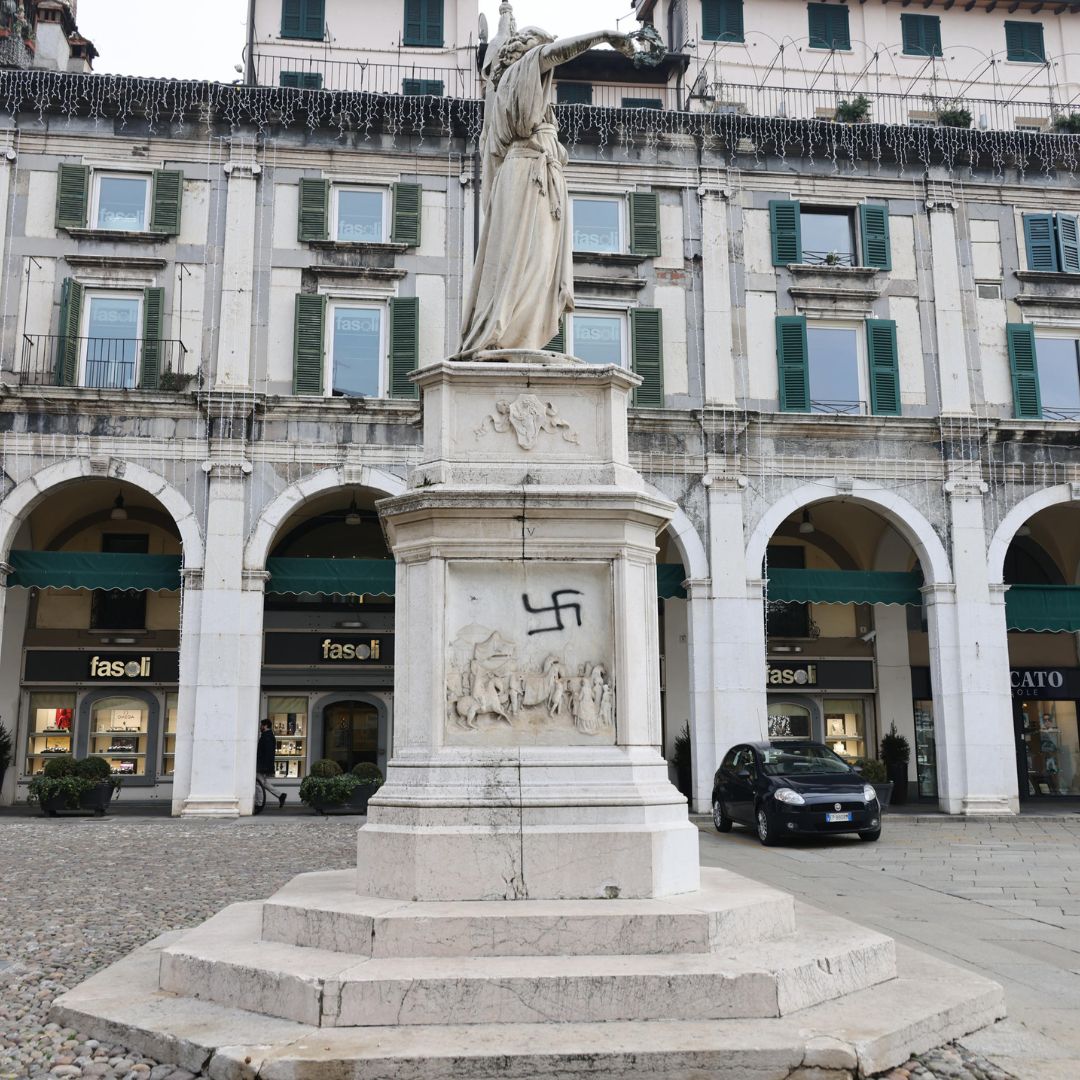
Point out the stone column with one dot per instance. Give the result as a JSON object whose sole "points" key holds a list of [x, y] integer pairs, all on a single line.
{"points": [[190, 626], [224, 728], [969, 667], [948, 311], [702, 712], [10, 720], [894, 677], [719, 375], [233, 369]]}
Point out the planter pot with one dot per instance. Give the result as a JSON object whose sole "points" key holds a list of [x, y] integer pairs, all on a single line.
{"points": [[897, 773], [357, 803], [884, 793], [96, 801]]}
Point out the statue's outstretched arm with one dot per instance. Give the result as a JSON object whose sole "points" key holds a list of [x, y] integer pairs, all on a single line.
{"points": [[564, 49]]}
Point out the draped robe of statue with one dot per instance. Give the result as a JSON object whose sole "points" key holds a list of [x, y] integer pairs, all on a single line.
{"points": [[523, 278]]}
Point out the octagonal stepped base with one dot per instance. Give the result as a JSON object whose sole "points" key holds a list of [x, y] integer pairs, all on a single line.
{"points": [[229, 960], [323, 911]]}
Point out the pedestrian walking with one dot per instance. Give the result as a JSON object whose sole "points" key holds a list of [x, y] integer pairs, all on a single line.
{"points": [[264, 760]]}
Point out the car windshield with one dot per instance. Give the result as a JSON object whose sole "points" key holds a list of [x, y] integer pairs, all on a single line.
{"points": [[802, 760]]}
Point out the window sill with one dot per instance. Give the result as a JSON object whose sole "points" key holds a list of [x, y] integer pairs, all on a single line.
{"points": [[1048, 277], [117, 236], [607, 286], [610, 258], [377, 273], [358, 249], [840, 271], [129, 262]]}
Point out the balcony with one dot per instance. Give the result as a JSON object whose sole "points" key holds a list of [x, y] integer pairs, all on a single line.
{"points": [[106, 363]]}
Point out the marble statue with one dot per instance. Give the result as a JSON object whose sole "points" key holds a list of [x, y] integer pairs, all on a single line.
{"points": [[523, 278]]}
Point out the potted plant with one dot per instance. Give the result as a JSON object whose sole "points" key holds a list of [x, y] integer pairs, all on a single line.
{"points": [[1067, 123], [681, 759], [873, 772], [67, 784], [371, 779], [327, 787], [174, 380], [6, 753], [954, 118], [855, 111], [895, 754]]}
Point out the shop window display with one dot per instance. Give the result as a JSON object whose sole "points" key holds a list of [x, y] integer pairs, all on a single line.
{"points": [[925, 749], [289, 720], [789, 721], [168, 753], [1051, 747], [52, 729], [845, 729], [120, 732]]}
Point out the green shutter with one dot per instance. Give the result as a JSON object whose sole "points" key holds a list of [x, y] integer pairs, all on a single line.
{"points": [[1068, 243], [786, 227], [647, 356], [72, 196], [314, 221], [290, 18], [568, 93], [792, 363], [165, 202], [921, 34], [309, 344], [301, 80], [408, 214], [884, 367], [828, 27], [422, 87], [874, 226], [645, 223], [1039, 236], [558, 342], [404, 344], [722, 20], [313, 22], [1024, 42], [423, 23], [1027, 404], [153, 332], [67, 346]]}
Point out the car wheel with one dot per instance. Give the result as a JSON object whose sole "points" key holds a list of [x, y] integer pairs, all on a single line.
{"points": [[766, 828], [870, 834], [719, 818]]}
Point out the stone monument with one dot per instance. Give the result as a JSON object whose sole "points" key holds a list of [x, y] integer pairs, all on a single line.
{"points": [[527, 899]]}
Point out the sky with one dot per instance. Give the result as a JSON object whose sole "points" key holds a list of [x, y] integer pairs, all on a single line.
{"points": [[204, 39]]}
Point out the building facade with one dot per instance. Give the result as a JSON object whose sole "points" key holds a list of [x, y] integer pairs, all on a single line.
{"points": [[858, 347]]}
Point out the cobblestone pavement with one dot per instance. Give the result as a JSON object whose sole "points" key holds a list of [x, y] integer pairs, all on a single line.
{"points": [[77, 894], [998, 897]]}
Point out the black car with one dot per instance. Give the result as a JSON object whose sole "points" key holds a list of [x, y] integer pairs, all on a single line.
{"points": [[787, 788]]}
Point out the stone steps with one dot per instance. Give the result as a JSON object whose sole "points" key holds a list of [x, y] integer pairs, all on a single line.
{"points": [[324, 911], [225, 960], [928, 1004]]}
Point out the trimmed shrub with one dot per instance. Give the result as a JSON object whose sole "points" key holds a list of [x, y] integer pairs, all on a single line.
{"points": [[324, 769]]}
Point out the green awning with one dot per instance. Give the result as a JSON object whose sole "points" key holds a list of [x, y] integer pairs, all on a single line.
{"points": [[669, 581], [1043, 607], [94, 570], [328, 577], [845, 586]]}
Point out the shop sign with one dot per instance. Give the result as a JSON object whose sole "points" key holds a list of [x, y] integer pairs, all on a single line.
{"points": [[1047, 684], [324, 649], [80, 666], [820, 675]]}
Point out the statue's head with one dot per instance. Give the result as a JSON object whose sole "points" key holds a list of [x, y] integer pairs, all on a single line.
{"points": [[515, 47]]}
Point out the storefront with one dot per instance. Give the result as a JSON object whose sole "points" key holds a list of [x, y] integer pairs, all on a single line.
{"points": [[328, 693], [117, 705], [830, 701], [1047, 739]]}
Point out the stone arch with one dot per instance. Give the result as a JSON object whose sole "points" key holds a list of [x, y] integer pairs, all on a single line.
{"points": [[30, 493], [909, 522], [687, 540], [278, 511], [1021, 512]]}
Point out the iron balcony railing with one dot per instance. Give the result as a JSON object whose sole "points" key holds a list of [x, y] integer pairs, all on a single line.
{"points": [[105, 363]]}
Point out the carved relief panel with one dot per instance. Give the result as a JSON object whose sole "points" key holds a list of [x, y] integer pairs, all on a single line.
{"points": [[530, 654]]}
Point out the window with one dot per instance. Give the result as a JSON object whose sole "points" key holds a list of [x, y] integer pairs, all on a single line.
{"points": [[789, 721], [568, 93], [821, 369], [345, 354], [51, 729], [118, 201], [828, 27], [597, 224], [120, 609], [922, 34], [356, 350], [422, 87], [599, 337], [288, 717], [1053, 242], [826, 236], [301, 80], [845, 728], [303, 19], [1024, 42], [785, 618], [1057, 360], [111, 340], [722, 20], [120, 733], [359, 215], [423, 23]]}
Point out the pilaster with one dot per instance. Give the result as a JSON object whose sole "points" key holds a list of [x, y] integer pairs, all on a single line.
{"points": [[719, 375], [948, 313]]}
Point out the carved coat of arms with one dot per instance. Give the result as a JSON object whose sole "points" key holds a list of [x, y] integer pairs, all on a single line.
{"points": [[528, 417]]}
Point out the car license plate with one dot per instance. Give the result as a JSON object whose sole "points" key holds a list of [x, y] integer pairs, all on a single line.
{"points": [[838, 817]]}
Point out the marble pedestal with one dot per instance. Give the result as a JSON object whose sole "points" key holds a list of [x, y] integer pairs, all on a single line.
{"points": [[526, 756]]}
